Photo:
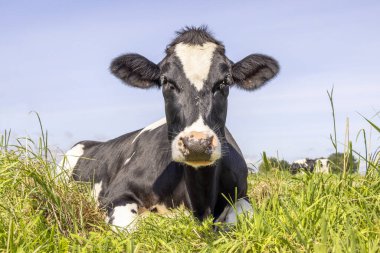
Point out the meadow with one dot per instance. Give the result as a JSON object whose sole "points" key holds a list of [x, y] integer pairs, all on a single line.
{"points": [[305, 212]]}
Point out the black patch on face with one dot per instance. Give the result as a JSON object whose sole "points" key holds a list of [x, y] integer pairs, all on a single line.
{"points": [[184, 103], [179, 95], [217, 89], [224, 68]]}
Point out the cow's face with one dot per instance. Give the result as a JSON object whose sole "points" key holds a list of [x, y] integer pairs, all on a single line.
{"points": [[195, 83], [195, 77]]}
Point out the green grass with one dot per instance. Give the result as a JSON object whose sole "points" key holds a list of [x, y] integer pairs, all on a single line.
{"points": [[302, 213], [293, 213]]}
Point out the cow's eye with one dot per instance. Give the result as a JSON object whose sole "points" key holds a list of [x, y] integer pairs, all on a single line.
{"points": [[171, 86], [168, 84], [221, 86]]}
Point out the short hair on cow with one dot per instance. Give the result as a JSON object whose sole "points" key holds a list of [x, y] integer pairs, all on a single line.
{"points": [[194, 36]]}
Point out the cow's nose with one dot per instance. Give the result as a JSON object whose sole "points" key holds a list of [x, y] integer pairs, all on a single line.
{"points": [[197, 146]]}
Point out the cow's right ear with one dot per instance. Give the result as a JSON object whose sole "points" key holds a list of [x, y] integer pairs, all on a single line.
{"points": [[136, 70]]}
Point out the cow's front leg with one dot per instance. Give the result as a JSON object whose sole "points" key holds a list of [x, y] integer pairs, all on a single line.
{"points": [[230, 213], [123, 216]]}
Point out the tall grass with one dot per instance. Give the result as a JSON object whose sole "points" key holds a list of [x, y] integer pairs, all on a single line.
{"points": [[34, 206], [293, 213]]}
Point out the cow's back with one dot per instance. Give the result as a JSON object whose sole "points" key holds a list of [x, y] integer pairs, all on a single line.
{"points": [[99, 157]]}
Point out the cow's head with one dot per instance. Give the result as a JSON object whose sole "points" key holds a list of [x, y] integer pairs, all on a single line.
{"points": [[195, 78]]}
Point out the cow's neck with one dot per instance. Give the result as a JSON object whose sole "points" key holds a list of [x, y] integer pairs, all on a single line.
{"points": [[202, 188]]}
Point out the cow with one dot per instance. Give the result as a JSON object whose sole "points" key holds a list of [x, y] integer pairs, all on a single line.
{"points": [[322, 165], [305, 164], [189, 158], [319, 165]]}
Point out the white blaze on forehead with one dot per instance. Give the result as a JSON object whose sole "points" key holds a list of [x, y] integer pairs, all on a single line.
{"points": [[196, 61], [151, 127], [125, 216], [70, 159]]}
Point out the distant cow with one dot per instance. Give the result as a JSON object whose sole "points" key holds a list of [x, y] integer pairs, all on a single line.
{"points": [[188, 158], [320, 165]]}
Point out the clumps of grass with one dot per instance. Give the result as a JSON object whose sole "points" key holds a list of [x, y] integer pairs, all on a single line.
{"points": [[292, 213], [35, 206], [305, 212], [316, 212], [178, 233]]}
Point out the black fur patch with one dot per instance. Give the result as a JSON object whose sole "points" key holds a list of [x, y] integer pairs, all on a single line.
{"points": [[254, 70], [194, 36], [136, 70]]}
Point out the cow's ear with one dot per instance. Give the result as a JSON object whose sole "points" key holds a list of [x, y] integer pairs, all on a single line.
{"points": [[136, 70], [254, 70]]}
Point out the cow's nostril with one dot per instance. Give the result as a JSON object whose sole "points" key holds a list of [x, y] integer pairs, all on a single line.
{"points": [[183, 145], [185, 141]]}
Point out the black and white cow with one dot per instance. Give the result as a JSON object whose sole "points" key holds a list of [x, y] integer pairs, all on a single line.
{"points": [[319, 165], [322, 165], [302, 164], [188, 158]]}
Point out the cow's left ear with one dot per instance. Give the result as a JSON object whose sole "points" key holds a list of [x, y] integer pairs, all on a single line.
{"points": [[136, 70], [254, 70]]}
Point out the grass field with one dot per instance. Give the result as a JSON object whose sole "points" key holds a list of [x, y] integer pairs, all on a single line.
{"points": [[293, 213], [301, 213]]}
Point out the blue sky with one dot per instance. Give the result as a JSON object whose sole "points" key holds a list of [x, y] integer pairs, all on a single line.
{"points": [[54, 59]]}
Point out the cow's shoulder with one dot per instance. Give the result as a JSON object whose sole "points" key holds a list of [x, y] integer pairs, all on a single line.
{"points": [[145, 164], [148, 175]]}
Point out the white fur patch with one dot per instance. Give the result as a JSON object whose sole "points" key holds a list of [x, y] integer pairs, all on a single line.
{"points": [[127, 161], [230, 214], [151, 127], [125, 216], [322, 166], [96, 190], [70, 159], [196, 61], [302, 161], [198, 126], [242, 206]]}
